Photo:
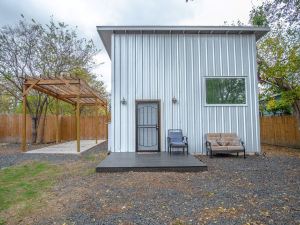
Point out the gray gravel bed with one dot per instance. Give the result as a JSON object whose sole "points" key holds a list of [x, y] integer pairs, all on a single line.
{"points": [[255, 190]]}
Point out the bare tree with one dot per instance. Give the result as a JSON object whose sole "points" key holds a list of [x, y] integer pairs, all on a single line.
{"points": [[30, 49]]}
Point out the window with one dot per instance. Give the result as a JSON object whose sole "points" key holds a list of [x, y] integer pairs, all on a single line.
{"points": [[228, 90]]}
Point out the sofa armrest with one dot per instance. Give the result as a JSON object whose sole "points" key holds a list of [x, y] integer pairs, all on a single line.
{"points": [[208, 143], [242, 142]]}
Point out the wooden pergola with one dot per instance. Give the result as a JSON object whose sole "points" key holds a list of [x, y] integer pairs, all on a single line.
{"points": [[74, 91]]}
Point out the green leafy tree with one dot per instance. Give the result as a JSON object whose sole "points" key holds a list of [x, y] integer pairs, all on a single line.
{"points": [[258, 16], [279, 72], [279, 54]]}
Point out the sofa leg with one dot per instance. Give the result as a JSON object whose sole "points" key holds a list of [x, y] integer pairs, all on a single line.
{"points": [[210, 155], [244, 154], [237, 154]]}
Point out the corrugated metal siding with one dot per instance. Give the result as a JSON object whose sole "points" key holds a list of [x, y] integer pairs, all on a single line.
{"points": [[160, 66]]}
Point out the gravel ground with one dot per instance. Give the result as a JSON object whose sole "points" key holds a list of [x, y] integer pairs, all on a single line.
{"points": [[255, 190]]}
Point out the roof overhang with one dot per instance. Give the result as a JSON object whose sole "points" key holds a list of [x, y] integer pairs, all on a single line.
{"points": [[105, 32]]}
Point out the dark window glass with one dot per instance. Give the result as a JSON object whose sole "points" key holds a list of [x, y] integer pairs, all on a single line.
{"points": [[225, 91]]}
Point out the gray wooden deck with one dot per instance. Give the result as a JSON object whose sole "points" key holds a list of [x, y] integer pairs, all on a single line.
{"points": [[163, 161]]}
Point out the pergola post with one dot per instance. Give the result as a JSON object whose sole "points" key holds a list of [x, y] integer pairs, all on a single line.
{"points": [[106, 120], [57, 121], [78, 120], [23, 146], [97, 124]]}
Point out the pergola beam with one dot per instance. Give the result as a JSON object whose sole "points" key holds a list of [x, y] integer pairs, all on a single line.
{"points": [[75, 96], [30, 87], [51, 82]]}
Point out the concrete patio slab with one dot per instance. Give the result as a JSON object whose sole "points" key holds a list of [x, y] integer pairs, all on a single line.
{"points": [[69, 147]]}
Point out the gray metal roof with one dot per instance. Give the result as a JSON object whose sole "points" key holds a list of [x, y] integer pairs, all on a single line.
{"points": [[105, 32]]}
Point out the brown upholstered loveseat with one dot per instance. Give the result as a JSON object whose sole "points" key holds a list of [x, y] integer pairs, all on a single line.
{"points": [[224, 143]]}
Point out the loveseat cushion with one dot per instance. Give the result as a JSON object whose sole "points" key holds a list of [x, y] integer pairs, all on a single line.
{"points": [[216, 148], [213, 142], [235, 148]]}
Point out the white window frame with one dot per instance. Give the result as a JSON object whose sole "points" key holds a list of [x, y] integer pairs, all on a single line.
{"points": [[224, 77]]}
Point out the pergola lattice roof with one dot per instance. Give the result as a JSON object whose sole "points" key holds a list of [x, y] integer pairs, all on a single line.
{"points": [[67, 90]]}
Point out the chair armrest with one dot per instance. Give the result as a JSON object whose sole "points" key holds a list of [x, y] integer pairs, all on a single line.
{"points": [[168, 138], [185, 139]]}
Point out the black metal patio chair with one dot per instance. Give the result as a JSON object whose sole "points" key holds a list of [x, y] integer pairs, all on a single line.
{"points": [[177, 140]]}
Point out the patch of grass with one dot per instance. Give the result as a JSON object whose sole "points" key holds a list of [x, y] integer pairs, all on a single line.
{"points": [[92, 157], [2, 221], [96, 157], [24, 183], [178, 222]]}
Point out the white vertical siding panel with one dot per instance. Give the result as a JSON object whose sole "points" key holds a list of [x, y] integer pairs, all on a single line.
{"points": [[206, 113], [117, 94], [113, 121], [197, 89], [139, 67], [257, 146], [124, 92], [131, 93], [184, 90], [243, 59], [161, 87], [250, 92], [189, 113], [174, 79], [225, 62], [145, 69], [168, 79], [181, 85], [235, 54]]}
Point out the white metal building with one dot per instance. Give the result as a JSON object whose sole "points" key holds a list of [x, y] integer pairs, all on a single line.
{"points": [[198, 79]]}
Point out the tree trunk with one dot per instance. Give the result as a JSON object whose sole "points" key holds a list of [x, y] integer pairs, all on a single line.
{"points": [[296, 108], [40, 133], [41, 126], [34, 129]]}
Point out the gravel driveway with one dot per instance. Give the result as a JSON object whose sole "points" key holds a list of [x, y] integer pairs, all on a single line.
{"points": [[255, 190]]}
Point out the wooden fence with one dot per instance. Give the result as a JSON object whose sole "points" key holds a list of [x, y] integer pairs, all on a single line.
{"points": [[11, 128], [280, 130]]}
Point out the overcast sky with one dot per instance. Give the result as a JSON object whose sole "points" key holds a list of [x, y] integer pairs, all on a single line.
{"points": [[87, 14]]}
